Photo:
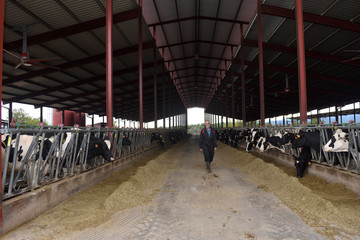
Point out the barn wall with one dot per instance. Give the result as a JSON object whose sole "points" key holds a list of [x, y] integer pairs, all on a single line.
{"points": [[71, 118]]}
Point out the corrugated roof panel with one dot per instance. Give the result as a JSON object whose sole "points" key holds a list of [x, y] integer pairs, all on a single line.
{"points": [[228, 9], [177, 51], [337, 41], [91, 45], [315, 34], [121, 6], [235, 36], [172, 33], [280, 3], [209, 8], [222, 32], [204, 50], [316, 7], [186, 8], [206, 29], [287, 26], [190, 49], [128, 27], [21, 18], [167, 10], [188, 30], [68, 50], [345, 10], [49, 12], [217, 51], [84, 11]]}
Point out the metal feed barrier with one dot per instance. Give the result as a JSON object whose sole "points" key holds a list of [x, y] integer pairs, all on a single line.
{"points": [[32, 170], [348, 161]]}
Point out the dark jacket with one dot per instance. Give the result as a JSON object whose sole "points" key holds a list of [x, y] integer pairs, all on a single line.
{"points": [[207, 141]]}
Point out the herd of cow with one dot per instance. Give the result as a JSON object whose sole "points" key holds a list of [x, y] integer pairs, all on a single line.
{"points": [[306, 141], [30, 158]]}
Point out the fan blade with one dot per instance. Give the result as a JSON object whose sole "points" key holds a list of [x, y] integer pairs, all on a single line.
{"points": [[44, 65], [12, 54], [43, 60], [17, 66]]}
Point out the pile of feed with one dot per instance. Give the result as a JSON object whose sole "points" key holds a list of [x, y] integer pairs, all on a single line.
{"points": [[330, 208], [131, 187]]}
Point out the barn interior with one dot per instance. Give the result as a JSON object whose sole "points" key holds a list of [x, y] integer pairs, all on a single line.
{"points": [[146, 60], [191, 49]]}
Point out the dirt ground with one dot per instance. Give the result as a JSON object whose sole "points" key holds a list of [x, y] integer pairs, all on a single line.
{"points": [[169, 195]]}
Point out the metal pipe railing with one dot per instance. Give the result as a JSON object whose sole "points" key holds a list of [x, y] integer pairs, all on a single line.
{"points": [[27, 169]]}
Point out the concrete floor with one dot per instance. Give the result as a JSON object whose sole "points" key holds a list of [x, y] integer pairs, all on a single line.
{"points": [[194, 204]]}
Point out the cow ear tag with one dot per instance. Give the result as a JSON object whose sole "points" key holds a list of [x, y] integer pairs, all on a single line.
{"points": [[309, 163], [96, 145], [335, 128], [297, 136]]}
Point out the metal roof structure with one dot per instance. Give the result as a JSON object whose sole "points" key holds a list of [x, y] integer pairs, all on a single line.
{"points": [[196, 41]]}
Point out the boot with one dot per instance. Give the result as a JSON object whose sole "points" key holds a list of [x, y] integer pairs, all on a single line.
{"points": [[208, 167]]}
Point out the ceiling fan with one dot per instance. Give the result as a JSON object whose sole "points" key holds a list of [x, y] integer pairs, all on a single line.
{"points": [[352, 51], [286, 89], [25, 59]]}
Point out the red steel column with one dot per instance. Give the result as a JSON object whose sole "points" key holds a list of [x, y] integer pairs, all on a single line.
{"points": [[140, 68], [163, 90], [2, 13], [301, 61], [169, 104], [109, 65], [261, 68], [243, 98], [155, 84], [232, 88]]}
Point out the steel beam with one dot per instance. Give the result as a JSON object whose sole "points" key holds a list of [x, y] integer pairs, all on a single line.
{"points": [[155, 79], [71, 30], [99, 57], [312, 18], [242, 59], [261, 66], [197, 18], [301, 61], [140, 67], [2, 14], [109, 65]]}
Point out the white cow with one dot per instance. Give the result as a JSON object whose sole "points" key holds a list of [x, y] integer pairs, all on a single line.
{"points": [[339, 142]]}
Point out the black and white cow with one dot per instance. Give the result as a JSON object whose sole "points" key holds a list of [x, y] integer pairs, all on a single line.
{"points": [[307, 139], [255, 136], [157, 137], [339, 142], [126, 141], [267, 143], [287, 138], [303, 161], [97, 147]]}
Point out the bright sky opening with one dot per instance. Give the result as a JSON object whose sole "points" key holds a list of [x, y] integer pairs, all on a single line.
{"points": [[195, 115]]}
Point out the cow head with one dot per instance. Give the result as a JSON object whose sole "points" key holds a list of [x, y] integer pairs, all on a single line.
{"points": [[262, 144], [301, 165], [104, 150], [126, 141], [339, 142]]}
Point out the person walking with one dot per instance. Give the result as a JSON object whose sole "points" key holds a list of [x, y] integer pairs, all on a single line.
{"points": [[207, 144]]}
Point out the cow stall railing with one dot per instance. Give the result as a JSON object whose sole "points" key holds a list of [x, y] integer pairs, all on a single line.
{"points": [[32, 158], [348, 160]]}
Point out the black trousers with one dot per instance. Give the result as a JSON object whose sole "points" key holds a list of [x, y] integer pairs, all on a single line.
{"points": [[208, 154]]}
